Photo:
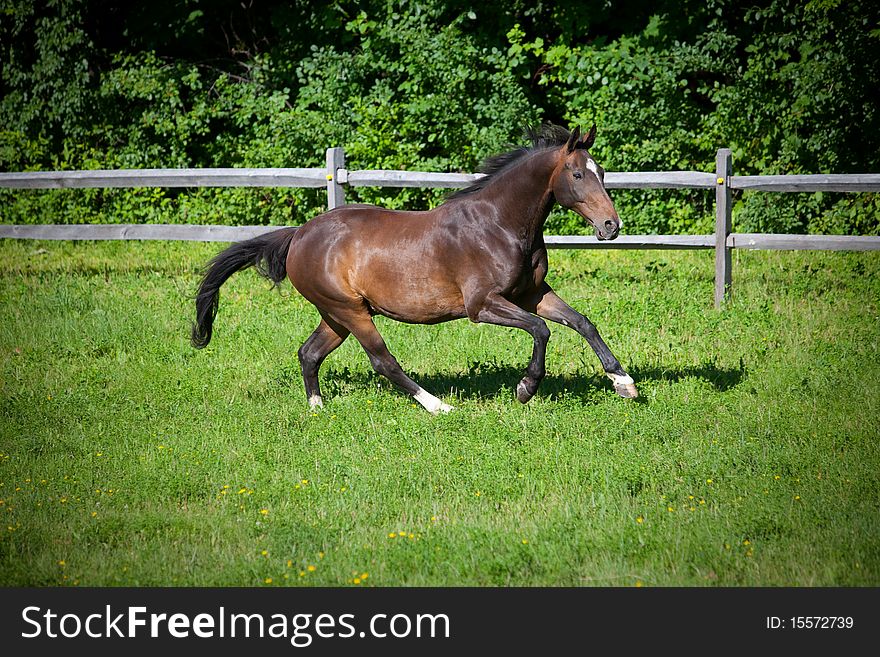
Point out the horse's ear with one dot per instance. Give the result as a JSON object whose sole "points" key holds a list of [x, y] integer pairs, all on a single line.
{"points": [[589, 139], [573, 139]]}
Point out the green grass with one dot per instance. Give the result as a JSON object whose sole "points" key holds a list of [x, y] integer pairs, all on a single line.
{"points": [[128, 458]]}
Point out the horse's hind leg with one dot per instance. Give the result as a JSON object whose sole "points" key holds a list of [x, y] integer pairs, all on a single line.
{"points": [[325, 339], [547, 304], [362, 328]]}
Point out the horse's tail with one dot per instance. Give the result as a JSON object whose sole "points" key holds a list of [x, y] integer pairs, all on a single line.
{"points": [[268, 253]]}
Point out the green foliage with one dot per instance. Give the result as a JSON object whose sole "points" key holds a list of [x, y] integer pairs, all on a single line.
{"points": [[414, 95], [788, 86]]}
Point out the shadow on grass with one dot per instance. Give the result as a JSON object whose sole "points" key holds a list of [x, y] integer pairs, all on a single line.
{"points": [[491, 379], [721, 378]]}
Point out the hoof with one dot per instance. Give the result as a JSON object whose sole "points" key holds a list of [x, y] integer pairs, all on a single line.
{"points": [[441, 409], [315, 401], [626, 390], [623, 385], [522, 392]]}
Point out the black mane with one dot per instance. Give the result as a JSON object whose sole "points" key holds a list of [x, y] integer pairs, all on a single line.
{"points": [[547, 135]]}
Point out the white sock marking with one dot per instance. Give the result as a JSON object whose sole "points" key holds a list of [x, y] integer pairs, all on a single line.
{"points": [[315, 401], [619, 380], [430, 402]]}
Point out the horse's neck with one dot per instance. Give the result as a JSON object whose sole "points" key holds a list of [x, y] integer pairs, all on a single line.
{"points": [[523, 195]]}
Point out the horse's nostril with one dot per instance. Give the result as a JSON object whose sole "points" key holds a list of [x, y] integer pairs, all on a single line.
{"points": [[609, 225]]}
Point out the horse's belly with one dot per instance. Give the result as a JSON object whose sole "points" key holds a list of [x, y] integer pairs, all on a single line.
{"points": [[416, 304]]}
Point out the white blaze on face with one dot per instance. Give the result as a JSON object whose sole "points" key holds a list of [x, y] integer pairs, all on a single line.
{"points": [[430, 402], [592, 166]]}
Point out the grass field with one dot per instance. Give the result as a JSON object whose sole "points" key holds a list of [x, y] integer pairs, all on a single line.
{"points": [[128, 458]]}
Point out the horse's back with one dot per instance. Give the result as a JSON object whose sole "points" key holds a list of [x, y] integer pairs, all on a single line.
{"points": [[397, 263]]}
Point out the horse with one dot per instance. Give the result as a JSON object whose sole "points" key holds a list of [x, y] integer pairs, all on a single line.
{"points": [[480, 255]]}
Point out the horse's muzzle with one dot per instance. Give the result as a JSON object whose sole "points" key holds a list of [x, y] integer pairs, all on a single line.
{"points": [[607, 230]]}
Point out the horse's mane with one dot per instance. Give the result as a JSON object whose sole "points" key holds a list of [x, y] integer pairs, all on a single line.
{"points": [[547, 135]]}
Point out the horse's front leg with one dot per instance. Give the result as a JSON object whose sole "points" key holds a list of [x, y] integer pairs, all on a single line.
{"points": [[495, 309], [546, 303]]}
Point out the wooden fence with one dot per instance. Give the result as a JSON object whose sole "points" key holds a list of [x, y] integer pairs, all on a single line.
{"points": [[335, 177]]}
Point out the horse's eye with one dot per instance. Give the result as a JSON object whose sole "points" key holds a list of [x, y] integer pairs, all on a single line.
{"points": [[578, 175]]}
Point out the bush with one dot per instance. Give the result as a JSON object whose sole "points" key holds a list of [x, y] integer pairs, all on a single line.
{"points": [[788, 86]]}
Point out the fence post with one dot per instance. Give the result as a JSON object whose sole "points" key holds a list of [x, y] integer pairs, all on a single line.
{"points": [[335, 166], [723, 170]]}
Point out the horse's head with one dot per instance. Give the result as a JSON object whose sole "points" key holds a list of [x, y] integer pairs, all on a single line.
{"points": [[579, 184]]}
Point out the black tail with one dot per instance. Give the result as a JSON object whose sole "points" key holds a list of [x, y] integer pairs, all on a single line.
{"points": [[268, 253]]}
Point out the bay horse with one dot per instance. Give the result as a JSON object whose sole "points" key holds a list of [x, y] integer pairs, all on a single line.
{"points": [[480, 255]]}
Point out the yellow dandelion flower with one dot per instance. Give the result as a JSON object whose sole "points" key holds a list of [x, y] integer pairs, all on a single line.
{"points": [[670, 509], [264, 512], [304, 482], [478, 493], [311, 569], [412, 536], [747, 542], [401, 533], [365, 575], [639, 584], [797, 497], [356, 580], [640, 520], [94, 514], [289, 563], [525, 541], [320, 555], [709, 481], [268, 580], [302, 573], [264, 552], [62, 563], [392, 535], [242, 490]]}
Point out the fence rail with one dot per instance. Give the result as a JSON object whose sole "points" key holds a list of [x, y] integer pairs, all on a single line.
{"points": [[335, 177], [165, 178]]}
